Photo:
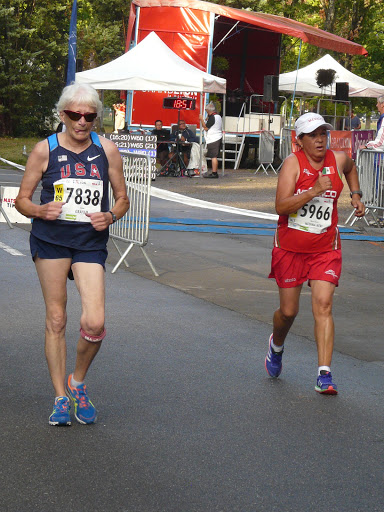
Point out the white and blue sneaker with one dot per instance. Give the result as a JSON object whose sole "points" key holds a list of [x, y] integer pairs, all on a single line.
{"points": [[273, 361], [325, 385], [85, 411], [60, 414]]}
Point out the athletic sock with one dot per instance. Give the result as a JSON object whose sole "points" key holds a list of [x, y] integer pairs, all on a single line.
{"points": [[74, 382], [276, 348], [322, 370]]}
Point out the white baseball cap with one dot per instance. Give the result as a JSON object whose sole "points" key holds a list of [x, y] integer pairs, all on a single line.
{"points": [[308, 123]]}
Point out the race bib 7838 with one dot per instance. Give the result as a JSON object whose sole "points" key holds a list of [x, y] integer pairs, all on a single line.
{"points": [[80, 197]]}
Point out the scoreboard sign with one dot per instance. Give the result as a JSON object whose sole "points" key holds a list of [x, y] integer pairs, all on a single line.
{"points": [[138, 143], [179, 103]]}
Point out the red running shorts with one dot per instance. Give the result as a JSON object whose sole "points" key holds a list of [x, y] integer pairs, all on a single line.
{"points": [[292, 269]]}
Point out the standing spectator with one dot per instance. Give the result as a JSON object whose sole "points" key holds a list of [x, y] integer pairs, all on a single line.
{"points": [[119, 116], [355, 122], [214, 136], [378, 143]]}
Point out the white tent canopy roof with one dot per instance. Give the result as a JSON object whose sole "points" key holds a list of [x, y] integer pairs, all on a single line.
{"points": [[151, 66], [306, 80]]}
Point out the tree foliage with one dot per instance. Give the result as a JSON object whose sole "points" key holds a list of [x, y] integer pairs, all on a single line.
{"points": [[34, 38], [34, 48]]}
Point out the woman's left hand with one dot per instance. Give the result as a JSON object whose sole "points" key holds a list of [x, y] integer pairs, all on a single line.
{"points": [[100, 220], [359, 207]]}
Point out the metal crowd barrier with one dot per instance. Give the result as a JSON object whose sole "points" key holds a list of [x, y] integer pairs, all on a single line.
{"points": [[370, 168], [266, 151], [133, 228], [285, 142]]}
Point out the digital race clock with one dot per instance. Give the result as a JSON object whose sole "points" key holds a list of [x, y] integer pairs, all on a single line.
{"points": [[179, 103]]}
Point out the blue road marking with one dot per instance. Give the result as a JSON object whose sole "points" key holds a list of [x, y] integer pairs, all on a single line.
{"points": [[239, 228], [209, 222]]}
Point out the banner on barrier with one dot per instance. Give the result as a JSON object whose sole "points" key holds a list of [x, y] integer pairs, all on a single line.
{"points": [[341, 141], [136, 143], [8, 196]]}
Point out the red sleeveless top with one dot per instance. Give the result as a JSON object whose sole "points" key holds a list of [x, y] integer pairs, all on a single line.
{"points": [[313, 228]]}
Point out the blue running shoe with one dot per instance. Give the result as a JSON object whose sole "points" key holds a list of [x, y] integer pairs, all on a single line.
{"points": [[60, 414], [325, 385], [273, 361], [85, 411]]}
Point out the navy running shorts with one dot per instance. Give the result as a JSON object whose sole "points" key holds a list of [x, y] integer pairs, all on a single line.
{"points": [[46, 250]]}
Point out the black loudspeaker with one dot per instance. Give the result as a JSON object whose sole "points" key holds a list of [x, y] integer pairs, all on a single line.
{"points": [[342, 91], [271, 88]]}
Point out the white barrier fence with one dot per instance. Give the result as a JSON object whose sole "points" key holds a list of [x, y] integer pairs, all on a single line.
{"points": [[370, 168], [133, 228]]}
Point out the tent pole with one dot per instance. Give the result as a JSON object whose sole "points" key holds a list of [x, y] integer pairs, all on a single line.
{"points": [[294, 90], [102, 115], [223, 143], [201, 137]]}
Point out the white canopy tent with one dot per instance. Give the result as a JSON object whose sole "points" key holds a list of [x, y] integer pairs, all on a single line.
{"points": [[151, 66], [306, 80]]}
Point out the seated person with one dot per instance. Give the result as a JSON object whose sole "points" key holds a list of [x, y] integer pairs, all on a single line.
{"points": [[183, 134], [162, 148]]}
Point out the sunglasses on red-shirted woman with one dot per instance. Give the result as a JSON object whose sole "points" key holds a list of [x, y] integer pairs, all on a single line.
{"points": [[75, 116]]}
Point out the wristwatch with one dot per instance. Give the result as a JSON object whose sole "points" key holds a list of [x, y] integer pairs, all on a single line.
{"points": [[357, 192], [114, 218]]}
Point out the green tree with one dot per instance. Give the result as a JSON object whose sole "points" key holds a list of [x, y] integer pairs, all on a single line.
{"points": [[31, 46], [34, 47]]}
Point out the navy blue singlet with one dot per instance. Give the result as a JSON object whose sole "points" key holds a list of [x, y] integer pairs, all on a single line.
{"points": [[92, 163]]}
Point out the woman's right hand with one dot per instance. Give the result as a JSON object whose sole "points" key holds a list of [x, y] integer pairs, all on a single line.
{"points": [[51, 211], [322, 184]]}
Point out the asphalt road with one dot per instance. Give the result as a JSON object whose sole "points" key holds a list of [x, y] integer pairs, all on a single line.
{"points": [[188, 418]]}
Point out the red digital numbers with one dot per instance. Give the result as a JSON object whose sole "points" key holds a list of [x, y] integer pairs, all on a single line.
{"points": [[179, 103]]}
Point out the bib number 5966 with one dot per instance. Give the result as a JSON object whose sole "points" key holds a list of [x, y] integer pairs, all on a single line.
{"points": [[320, 213], [313, 217]]}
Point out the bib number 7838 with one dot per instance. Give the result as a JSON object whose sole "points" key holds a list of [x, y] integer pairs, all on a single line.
{"points": [[84, 196]]}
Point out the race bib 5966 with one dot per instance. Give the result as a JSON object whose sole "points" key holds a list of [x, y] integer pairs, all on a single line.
{"points": [[314, 217]]}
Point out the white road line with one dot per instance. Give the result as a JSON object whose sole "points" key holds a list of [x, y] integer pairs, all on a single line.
{"points": [[11, 250]]}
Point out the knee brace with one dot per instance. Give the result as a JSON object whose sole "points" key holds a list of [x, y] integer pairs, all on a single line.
{"points": [[91, 338]]}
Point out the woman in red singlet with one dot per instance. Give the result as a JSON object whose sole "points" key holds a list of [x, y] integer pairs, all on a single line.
{"points": [[307, 240]]}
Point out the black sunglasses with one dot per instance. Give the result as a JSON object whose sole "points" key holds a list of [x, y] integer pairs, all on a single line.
{"points": [[75, 116]]}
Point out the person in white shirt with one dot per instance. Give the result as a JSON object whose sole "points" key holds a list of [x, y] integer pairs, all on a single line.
{"points": [[214, 137], [378, 143]]}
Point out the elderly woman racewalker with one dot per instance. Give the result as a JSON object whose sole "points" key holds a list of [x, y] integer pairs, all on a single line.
{"points": [[69, 237], [307, 240]]}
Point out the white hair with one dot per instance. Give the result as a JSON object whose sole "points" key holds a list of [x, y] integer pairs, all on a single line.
{"points": [[211, 107], [380, 99], [79, 93]]}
